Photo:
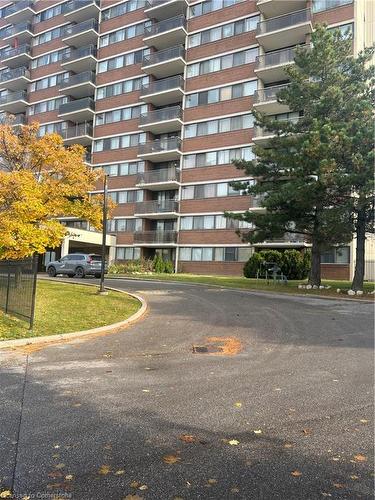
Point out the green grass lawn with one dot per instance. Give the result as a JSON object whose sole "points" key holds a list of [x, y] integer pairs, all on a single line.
{"points": [[63, 307], [252, 284]]}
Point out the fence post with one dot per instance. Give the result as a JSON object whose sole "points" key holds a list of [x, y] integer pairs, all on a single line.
{"points": [[7, 296], [35, 271]]}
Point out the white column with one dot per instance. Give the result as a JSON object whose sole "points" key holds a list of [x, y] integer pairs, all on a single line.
{"points": [[65, 246], [112, 254]]}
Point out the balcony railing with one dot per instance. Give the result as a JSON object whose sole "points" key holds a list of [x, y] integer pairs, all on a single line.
{"points": [[156, 207], [77, 105], [78, 131], [268, 94], [283, 56], [11, 74], [17, 28], [18, 6], [13, 96], [19, 119], [159, 146], [9, 53], [161, 175], [155, 237], [160, 115], [166, 25], [91, 24], [164, 55], [260, 132], [285, 21], [84, 77], [79, 53], [163, 85], [79, 4], [155, 3]]}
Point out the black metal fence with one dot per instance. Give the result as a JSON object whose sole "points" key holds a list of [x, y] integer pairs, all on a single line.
{"points": [[18, 287]]}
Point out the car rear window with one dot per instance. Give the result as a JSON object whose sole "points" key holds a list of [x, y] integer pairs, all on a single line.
{"points": [[96, 257]]}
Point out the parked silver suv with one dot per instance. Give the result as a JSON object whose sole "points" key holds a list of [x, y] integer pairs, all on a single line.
{"points": [[76, 264]]}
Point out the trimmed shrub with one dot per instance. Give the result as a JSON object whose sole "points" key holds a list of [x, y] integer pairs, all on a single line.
{"points": [[293, 263], [252, 265], [159, 265], [168, 267]]}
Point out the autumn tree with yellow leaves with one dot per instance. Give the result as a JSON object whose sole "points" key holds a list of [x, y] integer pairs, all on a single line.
{"points": [[41, 181]]}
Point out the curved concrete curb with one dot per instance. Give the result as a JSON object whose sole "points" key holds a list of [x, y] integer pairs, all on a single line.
{"points": [[83, 333]]}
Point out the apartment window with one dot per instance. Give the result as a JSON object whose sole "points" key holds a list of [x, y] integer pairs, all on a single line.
{"points": [[213, 158], [219, 126], [121, 197], [122, 87], [221, 94], [129, 253], [122, 61], [48, 81], [221, 63], [52, 128], [119, 10], [225, 31], [319, 5], [126, 225], [221, 254], [202, 191], [50, 35], [203, 222], [119, 142], [124, 34], [118, 115], [50, 58], [336, 256], [209, 6], [346, 30], [45, 106], [126, 168], [51, 12]]}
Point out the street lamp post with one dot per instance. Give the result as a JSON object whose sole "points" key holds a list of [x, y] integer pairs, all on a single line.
{"points": [[104, 235]]}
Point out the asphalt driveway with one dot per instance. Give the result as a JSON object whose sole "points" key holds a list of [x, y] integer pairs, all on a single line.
{"points": [[285, 412]]}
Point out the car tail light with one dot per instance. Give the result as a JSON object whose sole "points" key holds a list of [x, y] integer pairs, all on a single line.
{"points": [[89, 260]]}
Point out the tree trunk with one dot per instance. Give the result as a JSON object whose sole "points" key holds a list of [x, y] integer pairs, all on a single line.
{"points": [[359, 272], [314, 277]]}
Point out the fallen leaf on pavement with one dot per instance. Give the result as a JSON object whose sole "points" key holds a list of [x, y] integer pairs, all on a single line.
{"points": [[144, 487], [363, 421], [296, 473], [55, 474], [59, 466], [145, 390], [306, 432], [258, 431], [234, 490], [56, 455], [335, 459], [238, 404], [171, 459], [69, 477], [212, 481], [104, 470], [233, 442], [5, 494], [324, 494], [288, 445], [354, 477], [134, 484], [120, 472], [77, 405], [107, 354], [338, 485], [188, 438], [360, 458]]}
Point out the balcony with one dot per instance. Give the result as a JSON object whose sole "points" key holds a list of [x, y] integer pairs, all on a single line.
{"points": [[79, 60], [162, 9], [155, 237], [79, 134], [156, 209], [271, 66], [23, 32], [19, 12], [272, 8], [18, 120], [78, 111], [262, 136], [166, 33], [156, 180], [15, 79], [286, 30], [14, 102], [289, 240], [162, 121], [15, 57], [81, 10], [80, 85], [165, 62], [82, 34], [163, 92], [265, 100], [160, 150]]}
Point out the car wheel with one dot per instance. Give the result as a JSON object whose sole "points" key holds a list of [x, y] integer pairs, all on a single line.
{"points": [[80, 272], [51, 272], [97, 275]]}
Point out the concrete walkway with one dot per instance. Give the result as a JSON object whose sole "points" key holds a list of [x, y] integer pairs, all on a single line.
{"points": [[286, 414]]}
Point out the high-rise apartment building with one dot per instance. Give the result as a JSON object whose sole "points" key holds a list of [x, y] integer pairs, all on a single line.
{"points": [[160, 92]]}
